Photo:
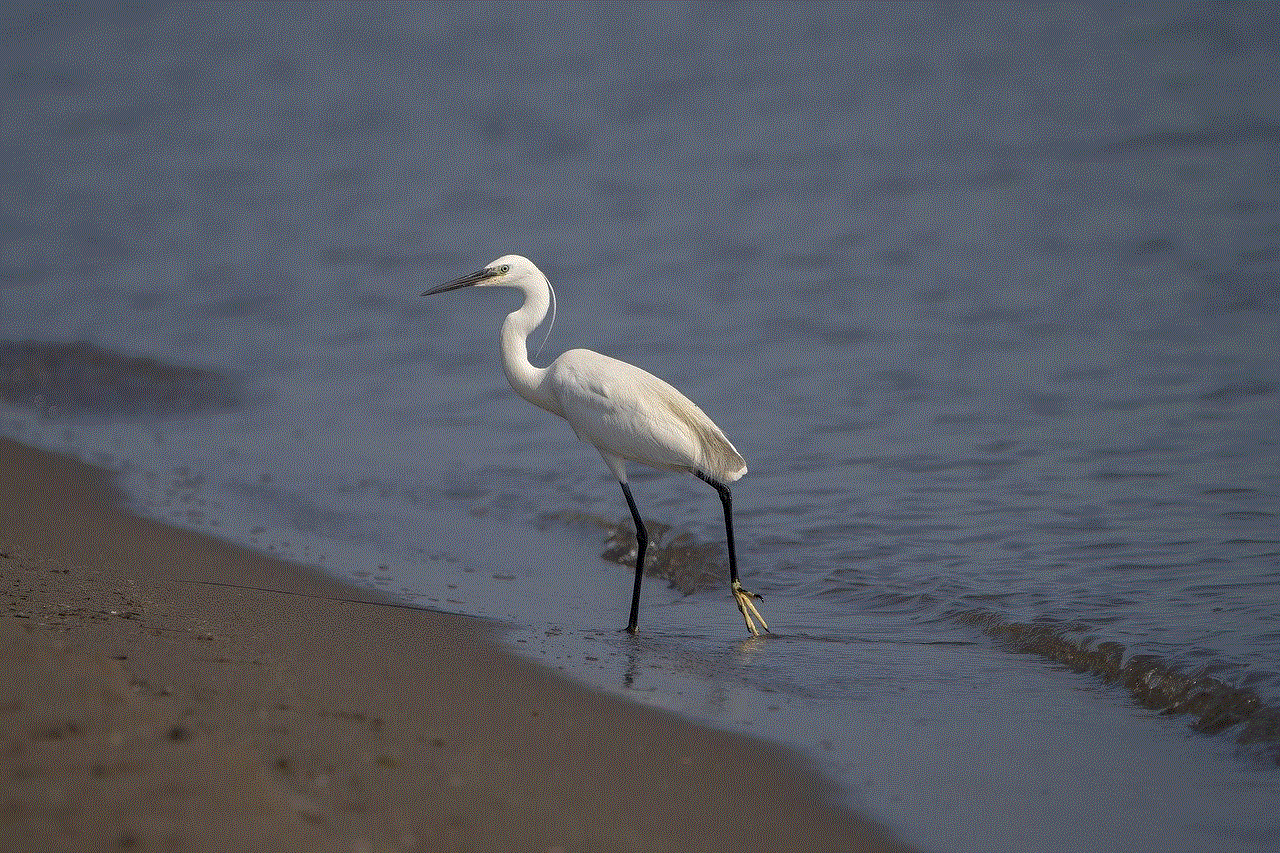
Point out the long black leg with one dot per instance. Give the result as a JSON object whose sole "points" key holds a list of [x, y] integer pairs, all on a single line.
{"points": [[727, 500], [642, 541], [745, 605]]}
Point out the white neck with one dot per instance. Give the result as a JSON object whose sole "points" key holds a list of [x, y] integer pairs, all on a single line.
{"points": [[524, 377]]}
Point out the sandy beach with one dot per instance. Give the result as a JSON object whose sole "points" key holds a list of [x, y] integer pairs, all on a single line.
{"points": [[165, 691]]}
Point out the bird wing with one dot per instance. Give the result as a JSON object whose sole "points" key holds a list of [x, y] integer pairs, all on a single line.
{"points": [[631, 413]]}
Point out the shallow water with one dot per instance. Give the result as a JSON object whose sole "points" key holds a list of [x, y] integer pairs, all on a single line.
{"points": [[986, 297]]}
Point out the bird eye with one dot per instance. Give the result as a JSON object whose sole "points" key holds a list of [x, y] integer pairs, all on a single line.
{"points": [[504, 268]]}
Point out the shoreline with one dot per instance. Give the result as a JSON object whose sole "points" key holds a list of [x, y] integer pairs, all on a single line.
{"points": [[163, 690]]}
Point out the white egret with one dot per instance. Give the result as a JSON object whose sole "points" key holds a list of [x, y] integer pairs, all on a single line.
{"points": [[624, 412]]}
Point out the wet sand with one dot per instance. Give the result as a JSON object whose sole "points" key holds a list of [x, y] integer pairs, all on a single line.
{"points": [[161, 690]]}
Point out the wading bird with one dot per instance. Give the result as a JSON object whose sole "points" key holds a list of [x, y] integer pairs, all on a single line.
{"points": [[627, 414]]}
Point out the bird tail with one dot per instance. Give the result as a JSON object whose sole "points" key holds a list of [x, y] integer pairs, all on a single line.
{"points": [[720, 459]]}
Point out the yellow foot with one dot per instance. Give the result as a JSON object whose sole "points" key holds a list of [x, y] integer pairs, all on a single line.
{"points": [[748, 609]]}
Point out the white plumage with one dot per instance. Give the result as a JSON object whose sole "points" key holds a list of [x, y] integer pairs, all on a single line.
{"points": [[626, 413]]}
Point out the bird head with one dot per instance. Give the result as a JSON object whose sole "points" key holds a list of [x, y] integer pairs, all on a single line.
{"points": [[506, 271]]}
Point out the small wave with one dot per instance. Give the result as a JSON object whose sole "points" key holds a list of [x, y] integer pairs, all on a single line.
{"points": [[1190, 138], [81, 380], [1215, 705], [1234, 391], [676, 557], [692, 566]]}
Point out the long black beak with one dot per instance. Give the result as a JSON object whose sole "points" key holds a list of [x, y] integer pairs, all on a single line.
{"points": [[466, 281]]}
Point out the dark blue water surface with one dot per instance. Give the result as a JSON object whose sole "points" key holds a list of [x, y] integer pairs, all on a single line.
{"points": [[987, 296]]}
